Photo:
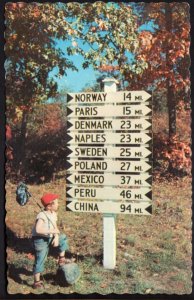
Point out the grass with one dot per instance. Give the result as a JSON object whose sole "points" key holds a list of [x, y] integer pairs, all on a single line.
{"points": [[142, 287], [153, 252], [130, 240]]}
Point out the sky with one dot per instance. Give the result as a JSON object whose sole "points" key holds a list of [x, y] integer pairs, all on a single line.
{"points": [[76, 81]]}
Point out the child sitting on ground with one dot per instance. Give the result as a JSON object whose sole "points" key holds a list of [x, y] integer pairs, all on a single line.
{"points": [[44, 234]]}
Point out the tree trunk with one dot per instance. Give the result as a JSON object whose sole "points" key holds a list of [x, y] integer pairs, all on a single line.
{"points": [[21, 155], [170, 92]]}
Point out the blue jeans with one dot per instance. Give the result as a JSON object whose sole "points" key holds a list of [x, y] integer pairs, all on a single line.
{"points": [[41, 247]]}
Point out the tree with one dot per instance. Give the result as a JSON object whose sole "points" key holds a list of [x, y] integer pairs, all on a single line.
{"points": [[111, 31], [166, 52], [145, 59], [31, 32], [115, 44]]}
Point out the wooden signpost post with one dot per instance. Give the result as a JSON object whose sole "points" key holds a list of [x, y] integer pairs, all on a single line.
{"points": [[109, 157]]}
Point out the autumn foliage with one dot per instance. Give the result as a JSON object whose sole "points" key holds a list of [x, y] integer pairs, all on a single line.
{"points": [[154, 59]]}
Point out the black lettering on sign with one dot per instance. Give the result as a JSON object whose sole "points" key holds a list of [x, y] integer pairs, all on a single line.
{"points": [[81, 206], [139, 126], [90, 152], [138, 196], [125, 207], [126, 110], [125, 152], [125, 179], [89, 179], [88, 98], [90, 137], [127, 96], [91, 166], [126, 194], [138, 154], [125, 166], [138, 112], [93, 124], [125, 138], [125, 124], [86, 111], [84, 193]]}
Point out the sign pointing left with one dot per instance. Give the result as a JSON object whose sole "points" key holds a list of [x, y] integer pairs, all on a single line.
{"points": [[77, 192], [143, 208]]}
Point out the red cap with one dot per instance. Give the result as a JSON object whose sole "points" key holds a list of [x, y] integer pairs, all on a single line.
{"points": [[48, 198]]}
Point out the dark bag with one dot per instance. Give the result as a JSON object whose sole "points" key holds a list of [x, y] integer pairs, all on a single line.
{"points": [[22, 194]]}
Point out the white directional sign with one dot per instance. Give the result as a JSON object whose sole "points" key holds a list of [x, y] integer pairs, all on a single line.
{"points": [[77, 192], [111, 97], [108, 138], [108, 165], [108, 151], [143, 208], [110, 110], [109, 124], [109, 179]]}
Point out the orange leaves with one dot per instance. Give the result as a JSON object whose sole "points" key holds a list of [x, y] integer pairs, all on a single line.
{"points": [[178, 153], [102, 25], [30, 256], [185, 31], [15, 6], [108, 68], [93, 29], [8, 132], [145, 39], [36, 12], [11, 6], [71, 31], [13, 37]]}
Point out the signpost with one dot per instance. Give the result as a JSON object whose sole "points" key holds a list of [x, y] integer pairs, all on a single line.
{"points": [[108, 96], [106, 179], [141, 193], [109, 124], [109, 157], [109, 152], [138, 138], [108, 165], [142, 208], [111, 110]]}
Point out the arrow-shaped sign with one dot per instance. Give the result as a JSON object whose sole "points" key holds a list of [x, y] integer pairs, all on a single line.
{"points": [[109, 124], [111, 97], [109, 151], [143, 208], [110, 110], [112, 193], [108, 165], [138, 138], [145, 179]]}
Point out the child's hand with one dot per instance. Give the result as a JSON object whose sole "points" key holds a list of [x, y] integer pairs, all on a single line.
{"points": [[57, 231], [55, 241]]}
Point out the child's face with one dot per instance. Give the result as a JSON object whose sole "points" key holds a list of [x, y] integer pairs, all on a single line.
{"points": [[54, 205]]}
